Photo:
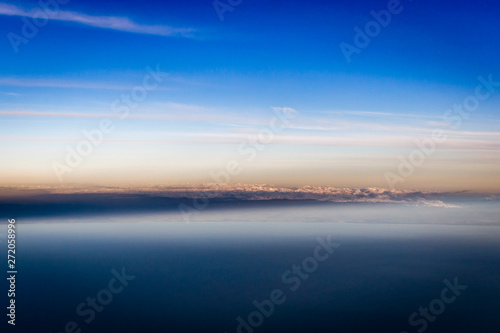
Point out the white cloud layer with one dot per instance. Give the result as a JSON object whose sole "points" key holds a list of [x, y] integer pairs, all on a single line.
{"points": [[254, 192]]}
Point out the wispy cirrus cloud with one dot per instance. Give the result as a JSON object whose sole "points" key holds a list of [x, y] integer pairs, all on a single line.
{"points": [[30, 82], [103, 22], [244, 124], [57, 83], [379, 114], [8, 93], [197, 138]]}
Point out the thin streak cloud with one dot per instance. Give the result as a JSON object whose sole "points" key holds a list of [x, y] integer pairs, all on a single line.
{"points": [[380, 114], [388, 135], [62, 83], [294, 140], [103, 22]]}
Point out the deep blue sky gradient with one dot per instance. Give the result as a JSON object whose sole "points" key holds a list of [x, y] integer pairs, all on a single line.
{"points": [[264, 54]]}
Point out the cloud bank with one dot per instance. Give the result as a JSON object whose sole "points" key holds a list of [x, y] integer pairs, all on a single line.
{"points": [[253, 192]]}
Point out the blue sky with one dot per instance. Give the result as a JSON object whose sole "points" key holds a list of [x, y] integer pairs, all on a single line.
{"points": [[225, 77]]}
